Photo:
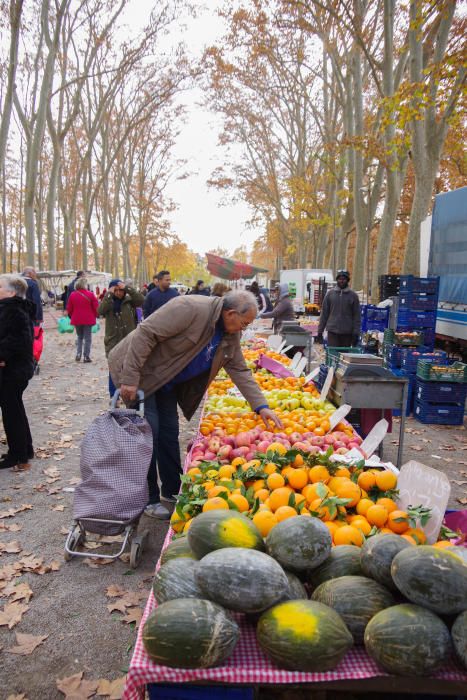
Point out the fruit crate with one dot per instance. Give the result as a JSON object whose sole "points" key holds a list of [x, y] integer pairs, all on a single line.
{"points": [[332, 354], [388, 286], [438, 414], [392, 356], [374, 318], [408, 319], [457, 372], [404, 338], [410, 392], [429, 335], [410, 357], [410, 283], [321, 378], [440, 392], [418, 302]]}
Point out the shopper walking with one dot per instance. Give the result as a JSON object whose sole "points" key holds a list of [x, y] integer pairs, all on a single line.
{"points": [[199, 288], [340, 314], [160, 294], [72, 286], [16, 369], [283, 309], [118, 307], [173, 356], [82, 310], [34, 293]]}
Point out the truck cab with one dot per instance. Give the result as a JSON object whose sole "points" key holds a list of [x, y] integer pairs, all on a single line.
{"points": [[307, 287]]}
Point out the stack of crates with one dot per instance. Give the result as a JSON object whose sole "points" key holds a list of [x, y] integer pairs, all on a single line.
{"points": [[333, 355], [440, 393], [388, 286], [418, 304], [394, 346], [409, 358], [375, 320]]}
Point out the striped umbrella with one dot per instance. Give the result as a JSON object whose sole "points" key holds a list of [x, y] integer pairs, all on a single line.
{"points": [[228, 269]]}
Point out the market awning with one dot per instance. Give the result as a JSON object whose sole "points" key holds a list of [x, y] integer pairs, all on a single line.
{"points": [[229, 269]]}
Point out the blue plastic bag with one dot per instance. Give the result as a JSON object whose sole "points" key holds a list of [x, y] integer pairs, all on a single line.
{"points": [[64, 325]]}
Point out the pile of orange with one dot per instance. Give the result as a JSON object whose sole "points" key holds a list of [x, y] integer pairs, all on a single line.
{"points": [[297, 421], [253, 355]]}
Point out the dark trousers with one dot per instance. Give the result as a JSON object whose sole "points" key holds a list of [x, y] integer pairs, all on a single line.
{"points": [[161, 413], [83, 335], [112, 387], [15, 420], [340, 340]]}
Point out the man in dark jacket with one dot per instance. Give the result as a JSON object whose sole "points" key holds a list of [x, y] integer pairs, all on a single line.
{"points": [[160, 295], [340, 314], [34, 293], [118, 307], [71, 286], [16, 369]]}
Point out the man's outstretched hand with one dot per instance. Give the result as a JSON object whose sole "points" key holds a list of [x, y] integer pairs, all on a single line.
{"points": [[268, 415]]}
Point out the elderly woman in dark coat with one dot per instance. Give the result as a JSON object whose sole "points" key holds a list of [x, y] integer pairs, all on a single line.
{"points": [[16, 369]]}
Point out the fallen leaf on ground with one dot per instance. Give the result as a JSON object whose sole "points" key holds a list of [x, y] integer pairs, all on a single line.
{"points": [[75, 688], [135, 614], [117, 605], [114, 590], [60, 508], [26, 643], [21, 696], [96, 563], [459, 483], [462, 500], [112, 689], [12, 614], [13, 527], [13, 547], [21, 591], [75, 480], [417, 448]]}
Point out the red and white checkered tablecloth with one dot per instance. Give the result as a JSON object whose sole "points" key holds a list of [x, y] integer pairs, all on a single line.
{"points": [[248, 665]]}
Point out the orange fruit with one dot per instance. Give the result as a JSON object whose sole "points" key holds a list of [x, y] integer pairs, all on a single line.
{"points": [[270, 468], [348, 534], [442, 544], [322, 511], [238, 461], [386, 480], [286, 471], [377, 515], [216, 503], [298, 478], [240, 501], [193, 472], [262, 494], [319, 431], [212, 493], [417, 534], [264, 521], [342, 471], [332, 527], [388, 503], [362, 524], [318, 473], [298, 461], [366, 480], [347, 489], [279, 497], [187, 525], [259, 484], [275, 481], [178, 522], [305, 511], [284, 512], [385, 531], [398, 521], [226, 471], [334, 481], [208, 485], [363, 505], [409, 539], [277, 447]]}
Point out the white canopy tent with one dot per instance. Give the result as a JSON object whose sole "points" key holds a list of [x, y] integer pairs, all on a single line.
{"points": [[54, 280]]}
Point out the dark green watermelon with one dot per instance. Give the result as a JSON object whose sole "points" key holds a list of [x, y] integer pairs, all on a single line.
{"points": [[299, 544], [459, 637], [177, 548], [342, 561], [176, 579], [377, 554]]}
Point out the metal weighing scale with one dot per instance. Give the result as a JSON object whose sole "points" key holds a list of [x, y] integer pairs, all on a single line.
{"points": [[362, 382], [299, 337]]}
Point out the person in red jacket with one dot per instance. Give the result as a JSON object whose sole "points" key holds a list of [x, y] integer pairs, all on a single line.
{"points": [[82, 310]]}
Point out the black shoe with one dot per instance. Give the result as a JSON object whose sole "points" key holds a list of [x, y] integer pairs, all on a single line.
{"points": [[87, 359], [78, 358], [7, 462]]}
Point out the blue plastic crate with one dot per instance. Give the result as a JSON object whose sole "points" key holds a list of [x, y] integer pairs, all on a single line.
{"points": [[418, 302], [440, 392], [409, 320], [392, 356], [374, 318], [410, 357], [410, 283], [198, 692], [438, 414], [429, 336]]}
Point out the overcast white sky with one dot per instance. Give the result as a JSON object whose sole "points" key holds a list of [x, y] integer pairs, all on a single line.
{"points": [[200, 220]]}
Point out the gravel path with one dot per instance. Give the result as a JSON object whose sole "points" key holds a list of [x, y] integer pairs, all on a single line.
{"points": [[70, 604]]}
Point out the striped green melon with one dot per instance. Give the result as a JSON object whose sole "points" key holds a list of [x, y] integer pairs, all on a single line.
{"points": [[177, 548], [217, 529], [459, 637], [299, 544], [303, 635], [244, 580], [296, 590], [377, 554], [356, 598], [176, 579], [407, 640], [189, 633], [431, 577], [343, 561]]}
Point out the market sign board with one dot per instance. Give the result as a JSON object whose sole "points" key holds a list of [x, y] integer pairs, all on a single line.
{"points": [[422, 485]]}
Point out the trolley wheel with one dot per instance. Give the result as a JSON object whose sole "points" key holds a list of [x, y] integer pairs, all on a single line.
{"points": [[37, 369], [137, 548], [75, 539]]}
